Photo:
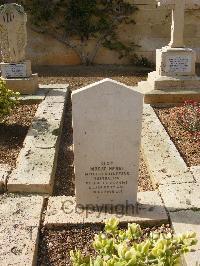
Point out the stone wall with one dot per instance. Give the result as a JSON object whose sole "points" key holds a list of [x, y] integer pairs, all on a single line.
{"points": [[151, 31]]}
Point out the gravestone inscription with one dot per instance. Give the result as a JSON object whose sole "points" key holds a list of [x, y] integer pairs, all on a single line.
{"points": [[107, 119], [180, 64], [14, 71]]}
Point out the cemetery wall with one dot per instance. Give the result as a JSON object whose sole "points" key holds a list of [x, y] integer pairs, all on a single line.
{"points": [[151, 31]]}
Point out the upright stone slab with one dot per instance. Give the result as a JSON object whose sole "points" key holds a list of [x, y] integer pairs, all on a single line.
{"points": [[107, 119], [15, 69]]}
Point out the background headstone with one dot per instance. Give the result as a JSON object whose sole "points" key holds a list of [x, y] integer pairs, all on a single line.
{"points": [[13, 33], [107, 119], [15, 70]]}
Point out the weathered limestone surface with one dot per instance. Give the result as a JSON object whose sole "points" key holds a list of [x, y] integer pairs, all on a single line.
{"points": [[196, 172], [169, 96], [168, 83], [36, 163], [107, 121], [179, 188], [192, 259], [186, 221], [38, 97], [181, 196], [163, 160], [23, 85], [63, 210], [19, 229], [4, 171]]}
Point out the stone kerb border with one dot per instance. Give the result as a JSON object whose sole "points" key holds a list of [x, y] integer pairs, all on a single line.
{"points": [[36, 163], [178, 185], [19, 228], [62, 211], [38, 97], [4, 172]]}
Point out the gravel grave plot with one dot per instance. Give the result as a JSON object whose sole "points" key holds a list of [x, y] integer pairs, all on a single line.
{"points": [[64, 178], [79, 76], [56, 244], [186, 143], [13, 132]]}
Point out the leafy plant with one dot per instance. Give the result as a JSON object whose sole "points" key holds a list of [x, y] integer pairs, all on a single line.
{"points": [[40, 11], [8, 100], [118, 247], [84, 25], [189, 117], [142, 61]]}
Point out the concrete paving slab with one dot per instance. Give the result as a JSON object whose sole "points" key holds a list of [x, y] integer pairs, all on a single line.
{"points": [[192, 259], [57, 93], [35, 171], [164, 162], [186, 221], [46, 125], [36, 163], [178, 95], [19, 229], [39, 96], [54, 86], [181, 196], [63, 210]]}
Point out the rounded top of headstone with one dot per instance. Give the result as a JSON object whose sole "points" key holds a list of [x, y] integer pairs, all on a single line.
{"points": [[10, 7]]}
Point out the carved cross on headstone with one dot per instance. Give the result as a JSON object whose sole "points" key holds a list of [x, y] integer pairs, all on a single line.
{"points": [[178, 12]]}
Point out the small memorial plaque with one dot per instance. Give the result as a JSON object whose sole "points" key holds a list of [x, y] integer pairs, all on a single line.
{"points": [[179, 64], [107, 121], [14, 71]]}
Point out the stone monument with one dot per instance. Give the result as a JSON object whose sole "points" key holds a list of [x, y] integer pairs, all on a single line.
{"points": [[107, 121], [175, 63], [15, 69]]}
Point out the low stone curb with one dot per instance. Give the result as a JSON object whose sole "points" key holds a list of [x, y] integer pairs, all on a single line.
{"points": [[63, 210], [36, 163], [188, 221], [38, 97], [159, 152], [179, 186], [170, 95], [19, 229], [4, 172]]}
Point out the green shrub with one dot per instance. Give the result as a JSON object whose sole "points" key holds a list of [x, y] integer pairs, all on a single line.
{"points": [[118, 247], [8, 100]]}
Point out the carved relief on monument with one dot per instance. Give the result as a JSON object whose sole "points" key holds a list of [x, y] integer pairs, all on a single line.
{"points": [[13, 34]]}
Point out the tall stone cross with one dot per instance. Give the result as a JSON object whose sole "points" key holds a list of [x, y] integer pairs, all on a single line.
{"points": [[178, 13]]}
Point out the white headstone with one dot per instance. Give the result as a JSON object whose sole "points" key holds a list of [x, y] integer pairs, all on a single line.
{"points": [[107, 119], [13, 33]]}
